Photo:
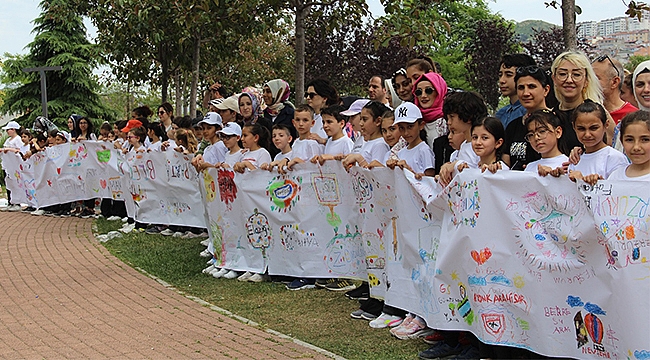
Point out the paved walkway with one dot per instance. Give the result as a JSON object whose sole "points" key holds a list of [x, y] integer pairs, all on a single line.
{"points": [[64, 296]]}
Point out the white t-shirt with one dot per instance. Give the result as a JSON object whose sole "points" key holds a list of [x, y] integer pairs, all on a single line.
{"points": [[306, 149], [553, 163], [280, 156], [215, 153], [232, 159], [619, 174], [374, 149], [157, 146], [467, 155], [420, 158], [343, 146], [13, 143], [257, 157], [24, 149], [318, 126], [602, 162]]}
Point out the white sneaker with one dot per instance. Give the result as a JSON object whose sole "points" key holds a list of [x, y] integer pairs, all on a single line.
{"points": [[231, 274], [113, 218], [208, 269], [38, 212], [205, 253], [205, 242], [245, 276], [167, 232], [382, 321], [258, 278], [220, 273], [177, 234], [14, 208], [125, 219], [127, 228]]}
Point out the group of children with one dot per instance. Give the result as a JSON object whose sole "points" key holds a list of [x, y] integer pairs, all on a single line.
{"points": [[392, 138]]}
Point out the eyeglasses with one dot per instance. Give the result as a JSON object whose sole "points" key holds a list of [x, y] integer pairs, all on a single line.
{"points": [[564, 75], [428, 91], [606, 57], [310, 95], [539, 134], [132, 137]]}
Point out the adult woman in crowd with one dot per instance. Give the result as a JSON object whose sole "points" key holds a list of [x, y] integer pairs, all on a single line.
{"points": [[279, 110], [575, 81], [250, 110], [429, 92], [320, 94], [533, 86], [73, 125], [641, 85], [166, 115], [85, 130], [402, 85]]}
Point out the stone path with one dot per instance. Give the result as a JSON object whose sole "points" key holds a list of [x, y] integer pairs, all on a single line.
{"points": [[62, 295]]}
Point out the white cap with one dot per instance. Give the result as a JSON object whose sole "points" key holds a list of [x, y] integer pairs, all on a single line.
{"points": [[407, 112], [355, 107], [211, 118], [215, 102], [231, 128], [229, 103], [11, 125]]}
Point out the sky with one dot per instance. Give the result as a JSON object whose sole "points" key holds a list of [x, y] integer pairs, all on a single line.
{"points": [[16, 16]]}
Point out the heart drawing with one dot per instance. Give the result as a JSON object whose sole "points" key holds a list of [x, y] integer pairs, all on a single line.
{"points": [[481, 256]]}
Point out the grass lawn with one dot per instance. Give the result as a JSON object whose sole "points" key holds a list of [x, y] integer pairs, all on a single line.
{"points": [[319, 317]]}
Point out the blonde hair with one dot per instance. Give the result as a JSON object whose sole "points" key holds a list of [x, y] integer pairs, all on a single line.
{"points": [[592, 89], [187, 139]]}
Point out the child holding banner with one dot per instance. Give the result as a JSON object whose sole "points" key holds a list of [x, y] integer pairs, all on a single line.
{"points": [[230, 136], [255, 139], [374, 147], [545, 136], [635, 136], [304, 148], [338, 145]]}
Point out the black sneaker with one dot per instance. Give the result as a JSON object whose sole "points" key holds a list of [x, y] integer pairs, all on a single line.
{"points": [[322, 283], [340, 285], [360, 293]]}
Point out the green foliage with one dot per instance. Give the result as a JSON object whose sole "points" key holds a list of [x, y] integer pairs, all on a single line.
{"points": [[634, 61], [60, 41]]}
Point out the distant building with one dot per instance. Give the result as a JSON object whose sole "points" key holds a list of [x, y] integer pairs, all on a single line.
{"points": [[588, 29]]}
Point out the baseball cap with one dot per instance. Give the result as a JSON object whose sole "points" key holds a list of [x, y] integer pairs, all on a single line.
{"points": [[231, 128], [407, 112], [355, 108], [11, 125], [229, 103], [131, 124], [215, 102], [211, 118]]}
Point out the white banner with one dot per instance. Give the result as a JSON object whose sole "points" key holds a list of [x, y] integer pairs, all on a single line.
{"points": [[516, 259]]}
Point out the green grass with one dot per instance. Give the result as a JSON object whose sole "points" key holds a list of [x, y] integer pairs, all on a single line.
{"points": [[318, 317]]}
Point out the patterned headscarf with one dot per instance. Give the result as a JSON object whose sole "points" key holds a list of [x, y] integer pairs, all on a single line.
{"points": [[280, 91], [435, 111], [256, 100]]}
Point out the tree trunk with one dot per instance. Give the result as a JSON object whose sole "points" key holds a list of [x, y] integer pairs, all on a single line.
{"points": [[178, 95], [164, 78], [301, 13], [569, 24], [196, 62]]}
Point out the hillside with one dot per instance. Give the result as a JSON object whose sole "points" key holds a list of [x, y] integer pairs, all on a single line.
{"points": [[524, 29]]}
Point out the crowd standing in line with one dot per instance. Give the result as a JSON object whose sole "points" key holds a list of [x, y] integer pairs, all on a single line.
{"points": [[579, 118]]}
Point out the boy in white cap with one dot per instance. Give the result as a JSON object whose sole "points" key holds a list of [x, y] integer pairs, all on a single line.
{"points": [[215, 153], [230, 136], [354, 119]]}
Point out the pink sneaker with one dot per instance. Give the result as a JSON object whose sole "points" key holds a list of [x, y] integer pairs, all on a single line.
{"points": [[413, 330], [407, 320]]}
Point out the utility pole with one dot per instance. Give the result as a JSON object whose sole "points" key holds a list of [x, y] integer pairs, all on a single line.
{"points": [[42, 70]]}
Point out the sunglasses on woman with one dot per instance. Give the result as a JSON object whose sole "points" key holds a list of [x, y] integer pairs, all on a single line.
{"points": [[428, 91], [310, 95]]}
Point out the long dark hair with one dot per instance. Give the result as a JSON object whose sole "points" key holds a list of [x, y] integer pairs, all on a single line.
{"points": [[158, 130], [548, 118], [263, 133], [495, 128]]}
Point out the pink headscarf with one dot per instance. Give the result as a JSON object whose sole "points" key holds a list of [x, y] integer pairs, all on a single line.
{"points": [[435, 111]]}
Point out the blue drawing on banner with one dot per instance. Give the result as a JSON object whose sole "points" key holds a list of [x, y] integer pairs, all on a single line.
{"points": [[423, 274], [590, 327], [344, 253], [362, 187], [464, 203], [642, 354], [502, 280]]}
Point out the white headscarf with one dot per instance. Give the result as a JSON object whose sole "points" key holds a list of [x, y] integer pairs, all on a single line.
{"points": [[640, 68]]}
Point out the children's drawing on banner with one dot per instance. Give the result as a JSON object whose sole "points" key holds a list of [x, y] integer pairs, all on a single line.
{"points": [[327, 191], [344, 253], [173, 206], [227, 187], [209, 186], [284, 192], [293, 237], [103, 155], [589, 328], [464, 202], [70, 184], [115, 186], [547, 232], [219, 248], [361, 186], [92, 180], [259, 231], [498, 325], [78, 152]]}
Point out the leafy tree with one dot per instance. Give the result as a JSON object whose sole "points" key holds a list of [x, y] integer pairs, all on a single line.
{"points": [[494, 38], [545, 45], [60, 41], [634, 61]]}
